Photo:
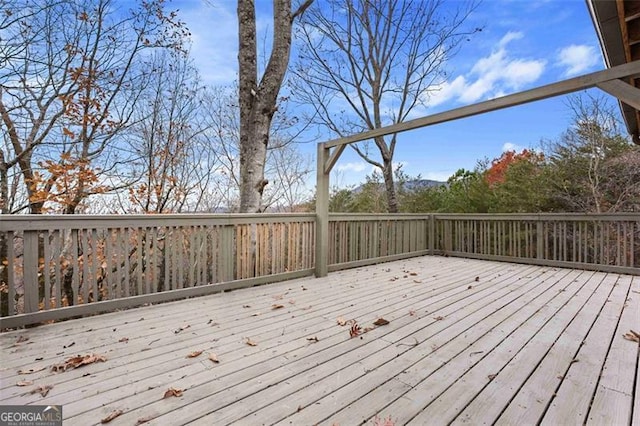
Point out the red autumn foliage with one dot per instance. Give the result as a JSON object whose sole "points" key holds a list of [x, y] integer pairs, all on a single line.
{"points": [[496, 174]]}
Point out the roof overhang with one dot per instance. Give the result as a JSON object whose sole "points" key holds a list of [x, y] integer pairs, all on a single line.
{"points": [[617, 23]]}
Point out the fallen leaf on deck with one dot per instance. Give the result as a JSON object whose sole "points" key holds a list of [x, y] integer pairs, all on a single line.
{"points": [[413, 274], [492, 376], [632, 336], [143, 420], [180, 329], [276, 306], [194, 354], [21, 339], [172, 392], [341, 321], [31, 370], [417, 281], [78, 361], [124, 340], [313, 339], [24, 383], [438, 318], [111, 416], [355, 329], [43, 390], [213, 358], [250, 342], [255, 314], [380, 321]]}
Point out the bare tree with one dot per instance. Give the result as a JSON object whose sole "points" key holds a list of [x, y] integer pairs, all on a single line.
{"points": [[70, 88], [595, 168], [258, 96], [365, 64]]}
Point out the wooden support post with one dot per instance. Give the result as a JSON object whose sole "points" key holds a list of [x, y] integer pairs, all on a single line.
{"points": [[322, 212]]}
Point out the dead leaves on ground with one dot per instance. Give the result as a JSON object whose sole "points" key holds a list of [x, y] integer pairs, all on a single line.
{"points": [[632, 336], [341, 321], [313, 339], [173, 392], [250, 342], [181, 329], [24, 383], [276, 306], [194, 354], [43, 390], [355, 329], [213, 358], [77, 361], [380, 321], [111, 416]]}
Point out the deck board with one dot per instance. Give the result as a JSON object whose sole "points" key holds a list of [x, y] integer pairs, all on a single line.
{"points": [[469, 341]]}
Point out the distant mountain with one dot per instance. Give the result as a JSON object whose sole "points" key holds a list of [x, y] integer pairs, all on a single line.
{"points": [[410, 185]]}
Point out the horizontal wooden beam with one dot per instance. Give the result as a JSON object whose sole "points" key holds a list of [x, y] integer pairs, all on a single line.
{"points": [[587, 81], [625, 92]]}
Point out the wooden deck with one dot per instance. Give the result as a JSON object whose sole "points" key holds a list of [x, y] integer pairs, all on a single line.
{"points": [[468, 341]]}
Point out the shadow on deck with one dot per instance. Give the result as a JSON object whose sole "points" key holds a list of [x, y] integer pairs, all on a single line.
{"points": [[468, 341]]}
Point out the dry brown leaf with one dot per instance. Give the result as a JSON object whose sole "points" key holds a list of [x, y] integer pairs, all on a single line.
{"points": [[172, 392], [492, 376], [413, 274], [380, 321], [276, 306], [632, 336], [31, 370], [250, 342], [24, 383], [417, 281], [43, 390], [78, 361], [355, 329], [313, 339], [341, 321], [113, 415], [124, 340], [213, 358], [143, 420], [438, 318], [194, 354]]}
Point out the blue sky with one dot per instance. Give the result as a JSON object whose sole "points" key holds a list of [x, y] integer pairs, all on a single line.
{"points": [[524, 44]]}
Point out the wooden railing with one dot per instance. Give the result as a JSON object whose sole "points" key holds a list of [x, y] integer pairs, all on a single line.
{"points": [[54, 267], [606, 242]]}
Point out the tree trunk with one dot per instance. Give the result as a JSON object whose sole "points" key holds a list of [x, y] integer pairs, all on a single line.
{"points": [[389, 184], [258, 100]]}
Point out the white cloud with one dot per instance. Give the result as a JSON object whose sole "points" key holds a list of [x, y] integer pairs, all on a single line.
{"points": [[491, 76], [352, 167], [508, 146], [577, 58]]}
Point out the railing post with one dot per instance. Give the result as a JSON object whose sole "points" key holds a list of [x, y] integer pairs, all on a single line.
{"points": [[322, 212], [432, 234], [539, 239], [30, 265]]}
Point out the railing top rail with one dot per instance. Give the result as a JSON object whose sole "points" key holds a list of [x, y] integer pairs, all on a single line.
{"points": [[378, 216], [45, 222], [541, 216]]}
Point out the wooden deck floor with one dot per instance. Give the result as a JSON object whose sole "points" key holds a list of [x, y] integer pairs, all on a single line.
{"points": [[468, 341]]}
